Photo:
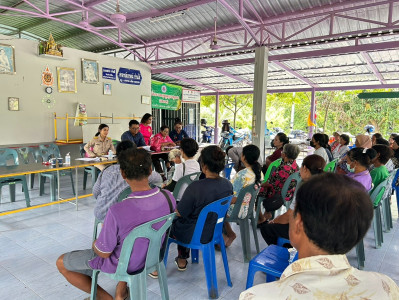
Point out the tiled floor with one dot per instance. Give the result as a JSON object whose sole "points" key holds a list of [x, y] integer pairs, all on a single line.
{"points": [[31, 241]]}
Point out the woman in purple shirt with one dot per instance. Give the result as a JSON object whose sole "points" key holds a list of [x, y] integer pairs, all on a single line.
{"points": [[358, 160]]}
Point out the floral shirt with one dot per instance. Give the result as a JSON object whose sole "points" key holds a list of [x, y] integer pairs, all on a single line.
{"points": [[241, 180], [157, 140], [325, 277], [278, 178]]}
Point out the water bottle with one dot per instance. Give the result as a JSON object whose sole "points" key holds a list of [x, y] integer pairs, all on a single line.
{"points": [[110, 154], [67, 159]]}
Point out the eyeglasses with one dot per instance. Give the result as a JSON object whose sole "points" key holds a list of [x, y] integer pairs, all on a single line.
{"points": [[134, 128]]}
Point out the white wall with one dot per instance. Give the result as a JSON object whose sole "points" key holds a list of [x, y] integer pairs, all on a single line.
{"points": [[34, 122]]}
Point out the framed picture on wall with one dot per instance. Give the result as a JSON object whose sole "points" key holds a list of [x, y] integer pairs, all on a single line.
{"points": [[107, 89], [66, 80], [7, 59], [89, 71], [13, 103]]}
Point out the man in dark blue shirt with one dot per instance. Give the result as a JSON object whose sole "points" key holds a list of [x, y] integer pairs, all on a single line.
{"points": [[133, 134], [177, 134]]}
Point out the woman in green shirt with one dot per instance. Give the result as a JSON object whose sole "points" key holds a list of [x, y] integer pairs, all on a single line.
{"points": [[380, 172]]}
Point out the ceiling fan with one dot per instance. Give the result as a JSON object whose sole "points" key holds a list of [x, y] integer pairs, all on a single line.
{"points": [[214, 46], [118, 17], [85, 21]]}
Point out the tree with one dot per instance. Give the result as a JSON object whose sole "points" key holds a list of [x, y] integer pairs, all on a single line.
{"points": [[235, 103]]}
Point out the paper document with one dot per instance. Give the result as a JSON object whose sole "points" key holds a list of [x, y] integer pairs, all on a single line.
{"points": [[89, 158]]}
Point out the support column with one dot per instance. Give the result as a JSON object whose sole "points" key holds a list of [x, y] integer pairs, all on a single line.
{"points": [[216, 131], [259, 102], [312, 113]]}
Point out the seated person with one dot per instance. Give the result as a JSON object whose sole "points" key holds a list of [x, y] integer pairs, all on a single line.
{"points": [[278, 227], [121, 219], [110, 183], [319, 143], [177, 134], [375, 137], [279, 141], [198, 195], [271, 189], [133, 134], [358, 161], [322, 238], [380, 171], [336, 142], [188, 149], [362, 141], [343, 147], [251, 174], [234, 153], [160, 142], [100, 144]]}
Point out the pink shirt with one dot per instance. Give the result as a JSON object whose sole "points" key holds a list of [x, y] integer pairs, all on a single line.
{"points": [[158, 139], [146, 131]]}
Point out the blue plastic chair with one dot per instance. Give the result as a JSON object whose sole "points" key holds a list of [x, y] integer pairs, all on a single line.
{"points": [[220, 208], [11, 154], [227, 170], [137, 281], [244, 222], [376, 197], [52, 151], [396, 188], [273, 261]]}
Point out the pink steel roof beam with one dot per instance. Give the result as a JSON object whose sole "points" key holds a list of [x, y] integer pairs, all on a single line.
{"points": [[49, 17], [319, 89], [373, 67], [325, 13], [193, 82], [235, 77], [288, 57], [295, 73]]}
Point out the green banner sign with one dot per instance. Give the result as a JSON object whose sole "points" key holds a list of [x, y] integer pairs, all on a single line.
{"points": [[378, 95], [165, 96]]}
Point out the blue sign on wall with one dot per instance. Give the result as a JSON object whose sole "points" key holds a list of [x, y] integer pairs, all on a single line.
{"points": [[129, 76], [109, 73]]}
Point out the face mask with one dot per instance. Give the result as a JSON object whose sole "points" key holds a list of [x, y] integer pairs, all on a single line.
{"points": [[348, 166], [312, 144]]}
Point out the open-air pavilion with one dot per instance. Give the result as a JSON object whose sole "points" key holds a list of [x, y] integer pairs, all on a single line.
{"points": [[211, 45], [217, 47]]}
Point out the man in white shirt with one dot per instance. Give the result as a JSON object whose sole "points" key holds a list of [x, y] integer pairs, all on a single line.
{"points": [[188, 149], [332, 214]]}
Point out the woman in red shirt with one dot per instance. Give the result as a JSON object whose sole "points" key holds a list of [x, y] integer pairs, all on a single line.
{"points": [[145, 127], [279, 141]]}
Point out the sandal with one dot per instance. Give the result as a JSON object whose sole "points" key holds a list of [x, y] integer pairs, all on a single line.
{"points": [[152, 275], [181, 269]]}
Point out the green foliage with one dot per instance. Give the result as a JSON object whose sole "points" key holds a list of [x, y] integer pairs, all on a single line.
{"points": [[336, 111]]}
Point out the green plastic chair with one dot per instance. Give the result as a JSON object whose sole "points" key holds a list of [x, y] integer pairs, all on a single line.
{"points": [[386, 203], [331, 166], [376, 197], [361, 258], [52, 151], [248, 191], [28, 155], [11, 154], [272, 167], [122, 196], [137, 281], [184, 182]]}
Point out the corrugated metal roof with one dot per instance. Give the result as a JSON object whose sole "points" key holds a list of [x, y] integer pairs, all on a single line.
{"points": [[301, 27]]}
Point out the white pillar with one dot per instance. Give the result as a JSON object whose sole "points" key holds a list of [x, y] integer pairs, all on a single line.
{"points": [[260, 94], [312, 113], [216, 131]]}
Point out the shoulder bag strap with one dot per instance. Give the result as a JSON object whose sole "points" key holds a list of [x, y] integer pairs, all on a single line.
{"points": [[167, 198], [184, 169]]}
